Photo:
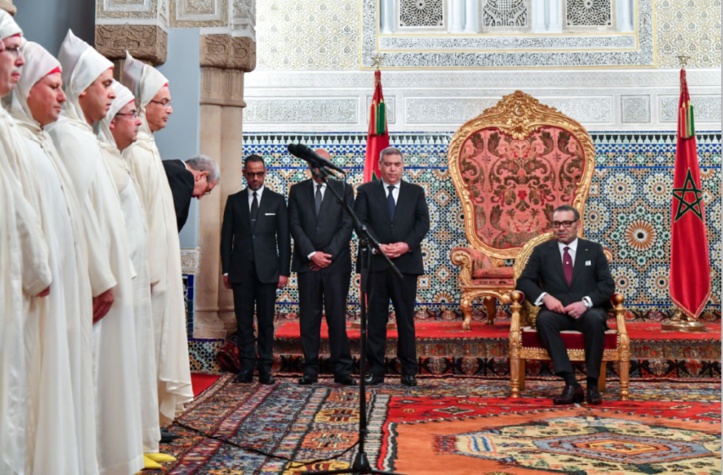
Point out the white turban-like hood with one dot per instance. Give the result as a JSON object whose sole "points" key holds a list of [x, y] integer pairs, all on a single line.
{"points": [[82, 65], [8, 27], [123, 96], [143, 80]]}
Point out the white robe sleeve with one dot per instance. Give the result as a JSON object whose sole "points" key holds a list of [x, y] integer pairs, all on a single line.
{"points": [[36, 271], [141, 162]]}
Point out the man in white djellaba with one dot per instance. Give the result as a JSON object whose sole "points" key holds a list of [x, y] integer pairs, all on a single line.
{"points": [[87, 78], [153, 100], [61, 421], [116, 132], [24, 270]]}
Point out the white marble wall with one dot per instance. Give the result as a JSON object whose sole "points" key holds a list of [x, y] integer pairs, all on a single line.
{"points": [[314, 73], [443, 100]]}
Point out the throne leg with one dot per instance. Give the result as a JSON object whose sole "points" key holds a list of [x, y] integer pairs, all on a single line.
{"points": [[490, 306], [624, 379], [466, 306]]}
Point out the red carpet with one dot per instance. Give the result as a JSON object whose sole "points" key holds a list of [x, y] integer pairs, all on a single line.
{"points": [[201, 382], [453, 330], [449, 426]]}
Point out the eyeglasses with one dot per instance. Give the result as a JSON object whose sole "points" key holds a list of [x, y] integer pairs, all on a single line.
{"points": [[133, 113], [15, 51], [164, 103], [564, 224]]}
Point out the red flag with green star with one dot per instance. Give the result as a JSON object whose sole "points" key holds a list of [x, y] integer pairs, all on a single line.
{"points": [[690, 284], [378, 135]]}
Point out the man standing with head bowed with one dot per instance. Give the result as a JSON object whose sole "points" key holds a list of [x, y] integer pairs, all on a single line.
{"points": [[322, 260], [153, 102], [88, 77], [255, 253], [60, 399], [24, 270], [570, 278], [395, 213]]}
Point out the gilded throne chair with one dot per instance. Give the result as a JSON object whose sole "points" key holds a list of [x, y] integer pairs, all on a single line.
{"points": [[525, 344], [512, 166]]}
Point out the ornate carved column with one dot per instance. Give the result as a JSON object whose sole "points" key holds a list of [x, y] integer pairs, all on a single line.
{"points": [[224, 60], [139, 27]]}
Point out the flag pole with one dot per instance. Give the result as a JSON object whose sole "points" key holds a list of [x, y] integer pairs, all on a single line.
{"points": [[689, 278]]}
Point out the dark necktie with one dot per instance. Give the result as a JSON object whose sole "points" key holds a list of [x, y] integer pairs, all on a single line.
{"points": [[254, 208], [390, 201], [317, 199], [567, 265]]}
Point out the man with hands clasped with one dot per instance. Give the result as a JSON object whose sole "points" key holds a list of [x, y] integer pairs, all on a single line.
{"points": [[570, 278]]}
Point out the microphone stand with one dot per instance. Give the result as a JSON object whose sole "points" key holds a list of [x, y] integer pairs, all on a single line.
{"points": [[360, 464]]}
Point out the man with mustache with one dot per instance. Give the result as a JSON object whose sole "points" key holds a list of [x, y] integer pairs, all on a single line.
{"points": [[24, 270], [61, 400], [570, 278]]}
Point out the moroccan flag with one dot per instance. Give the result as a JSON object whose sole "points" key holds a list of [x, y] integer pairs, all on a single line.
{"points": [[378, 135], [689, 259]]}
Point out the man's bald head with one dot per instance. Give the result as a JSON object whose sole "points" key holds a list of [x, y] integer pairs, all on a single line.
{"points": [[315, 170]]}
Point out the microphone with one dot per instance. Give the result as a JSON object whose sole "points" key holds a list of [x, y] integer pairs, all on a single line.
{"points": [[314, 159]]}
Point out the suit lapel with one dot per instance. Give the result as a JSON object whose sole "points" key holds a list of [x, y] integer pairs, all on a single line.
{"points": [[244, 202]]}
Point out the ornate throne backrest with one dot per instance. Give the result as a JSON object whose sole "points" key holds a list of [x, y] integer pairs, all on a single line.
{"points": [[512, 165]]}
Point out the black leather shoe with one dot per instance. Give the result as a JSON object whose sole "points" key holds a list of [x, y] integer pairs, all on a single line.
{"points": [[373, 380], [307, 379], [570, 395], [168, 436], [266, 379], [243, 377], [409, 380], [344, 380], [593, 396]]}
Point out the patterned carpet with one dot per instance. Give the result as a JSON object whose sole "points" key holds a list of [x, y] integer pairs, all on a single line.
{"points": [[450, 425]]}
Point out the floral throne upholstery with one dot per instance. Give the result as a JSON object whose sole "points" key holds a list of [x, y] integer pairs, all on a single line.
{"points": [[525, 343], [511, 166]]}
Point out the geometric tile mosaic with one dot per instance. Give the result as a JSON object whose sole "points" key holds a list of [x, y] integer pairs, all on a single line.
{"points": [[628, 208]]}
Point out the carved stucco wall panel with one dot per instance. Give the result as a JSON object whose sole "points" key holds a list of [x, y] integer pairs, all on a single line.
{"points": [[145, 42]]}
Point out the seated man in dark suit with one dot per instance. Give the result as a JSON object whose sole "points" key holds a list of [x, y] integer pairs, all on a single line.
{"points": [[570, 278], [194, 178]]}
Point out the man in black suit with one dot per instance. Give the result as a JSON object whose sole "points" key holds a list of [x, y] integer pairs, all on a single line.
{"points": [[255, 253], [395, 213], [571, 279], [322, 259], [194, 178]]}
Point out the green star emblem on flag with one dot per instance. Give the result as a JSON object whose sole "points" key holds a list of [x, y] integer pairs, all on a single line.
{"points": [[685, 206]]}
